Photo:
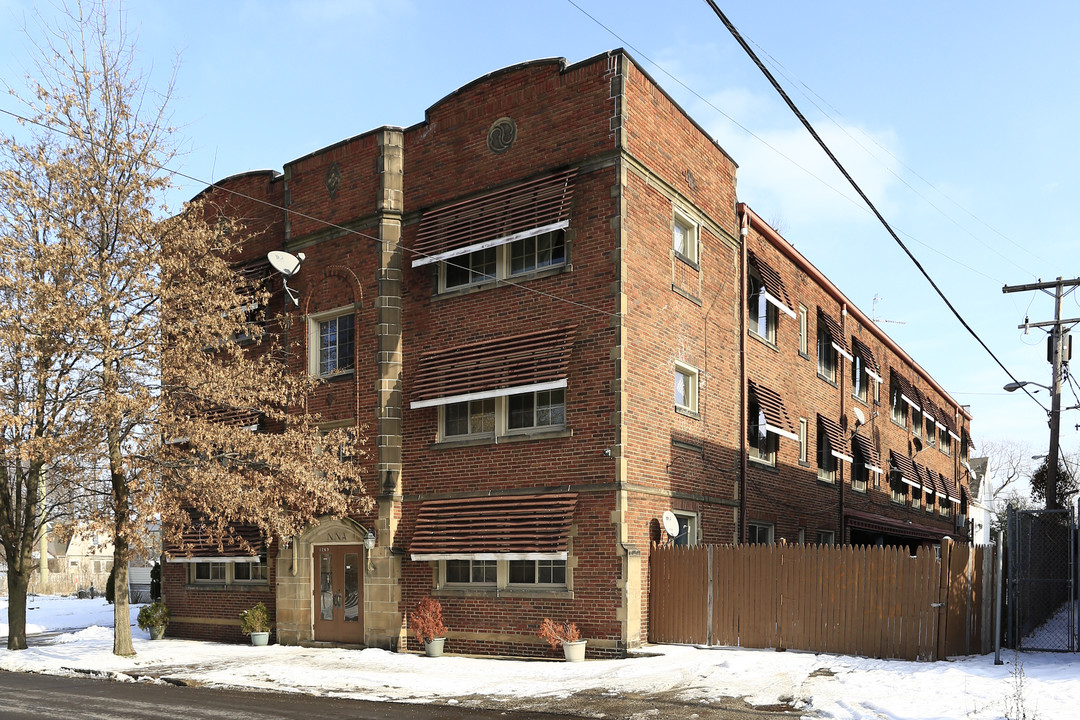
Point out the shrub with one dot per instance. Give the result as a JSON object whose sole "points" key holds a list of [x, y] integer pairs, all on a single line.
{"points": [[110, 587], [153, 615], [256, 619], [554, 633], [426, 620]]}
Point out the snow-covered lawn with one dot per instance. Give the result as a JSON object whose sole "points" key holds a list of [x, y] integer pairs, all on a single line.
{"points": [[820, 685]]}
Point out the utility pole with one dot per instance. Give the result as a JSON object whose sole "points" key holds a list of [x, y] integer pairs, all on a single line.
{"points": [[1057, 349]]}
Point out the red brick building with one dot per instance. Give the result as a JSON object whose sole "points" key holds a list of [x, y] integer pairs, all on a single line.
{"points": [[552, 321]]}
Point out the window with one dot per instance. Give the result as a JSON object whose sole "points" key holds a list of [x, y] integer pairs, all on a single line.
{"points": [[474, 572], [684, 238], [250, 571], [897, 488], [331, 343], [931, 429], [826, 353], [860, 379], [826, 537], [686, 387], [802, 536], [897, 406], [762, 442], [916, 498], [687, 529], [472, 417], [537, 572], [945, 444], [916, 425], [544, 409], [944, 508], [759, 534], [860, 475], [929, 504], [826, 461], [803, 332], [803, 450], [504, 261], [762, 313], [209, 572]]}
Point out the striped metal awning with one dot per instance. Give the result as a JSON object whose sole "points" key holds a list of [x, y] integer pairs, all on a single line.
{"points": [[908, 392], [777, 419], [904, 465], [526, 210], [869, 361], [834, 435], [504, 527], [775, 292], [836, 335], [242, 543], [864, 446], [889, 526], [527, 362]]}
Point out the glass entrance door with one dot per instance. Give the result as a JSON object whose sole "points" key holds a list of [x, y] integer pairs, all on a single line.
{"points": [[338, 593]]}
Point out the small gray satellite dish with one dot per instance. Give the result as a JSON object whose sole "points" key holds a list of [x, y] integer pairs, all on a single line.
{"points": [[285, 263], [671, 523], [860, 417], [288, 265]]}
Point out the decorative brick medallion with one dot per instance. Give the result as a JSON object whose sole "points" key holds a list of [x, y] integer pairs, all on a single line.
{"points": [[501, 135], [333, 179]]}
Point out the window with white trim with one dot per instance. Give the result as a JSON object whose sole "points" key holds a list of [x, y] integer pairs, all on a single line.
{"points": [[762, 313], [945, 444], [512, 259], [826, 353], [931, 428], [804, 453], [332, 343], [688, 523], [229, 573], [860, 378], [826, 461], [826, 537], [762, 443], [804, 324], [897, 406], [759, 533], [897, 488], [686, 387], [541, 573], [508, 414], [684, 238]]}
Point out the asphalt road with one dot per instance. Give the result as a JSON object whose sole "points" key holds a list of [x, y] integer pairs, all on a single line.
{"points": [[24, 696]]}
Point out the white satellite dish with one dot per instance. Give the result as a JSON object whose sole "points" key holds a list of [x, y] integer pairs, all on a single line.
{"points": [[285, 263], [288, 265], [860, 417], [671, 523]]}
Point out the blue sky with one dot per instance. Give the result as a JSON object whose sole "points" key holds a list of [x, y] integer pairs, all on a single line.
{"points": [[958, 119]]}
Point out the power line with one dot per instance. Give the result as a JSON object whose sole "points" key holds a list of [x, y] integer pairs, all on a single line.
{"points": [[821, 143]]}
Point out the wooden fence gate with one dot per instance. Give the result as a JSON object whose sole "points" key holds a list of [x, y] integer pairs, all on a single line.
{"points": [[871, 601]]}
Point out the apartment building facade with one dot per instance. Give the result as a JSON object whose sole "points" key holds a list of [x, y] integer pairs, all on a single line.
{"points": [[550, 319]]}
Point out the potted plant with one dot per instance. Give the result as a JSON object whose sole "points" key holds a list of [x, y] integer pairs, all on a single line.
{"points": [[426, 622], [256, 623], [565, 634], [154, 618]]}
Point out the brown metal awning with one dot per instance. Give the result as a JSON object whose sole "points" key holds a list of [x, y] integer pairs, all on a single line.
{"points": [[528, 362], [869, 361], [242, 543], [865, 447], [930, 480], [965, 438], [505, 527], [525, 210], [906, 468], [908, 392], [836, 335], [775, 292], [777, 419], [888, 526], [834, 435]]}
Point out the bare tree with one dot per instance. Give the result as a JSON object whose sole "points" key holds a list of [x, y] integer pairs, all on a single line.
{"points": [[1010, 462], [150, 313]]}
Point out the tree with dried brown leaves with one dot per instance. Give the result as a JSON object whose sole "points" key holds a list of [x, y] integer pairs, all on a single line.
{"points": [[146, 327]]}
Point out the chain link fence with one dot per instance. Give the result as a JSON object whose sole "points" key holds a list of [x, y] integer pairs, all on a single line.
{"points": [[1042, 580]]}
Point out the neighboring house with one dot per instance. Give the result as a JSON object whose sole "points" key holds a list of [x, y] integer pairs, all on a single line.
{"points": [[554, 322], [982, 499]]}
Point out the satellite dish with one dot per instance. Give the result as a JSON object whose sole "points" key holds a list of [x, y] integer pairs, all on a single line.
{"points": [[917, 444], [285, 263], [860, 417], [671, 523], [288, 265]]}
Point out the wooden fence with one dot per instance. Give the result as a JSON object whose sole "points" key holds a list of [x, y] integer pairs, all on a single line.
{"points": [[870, 601]]}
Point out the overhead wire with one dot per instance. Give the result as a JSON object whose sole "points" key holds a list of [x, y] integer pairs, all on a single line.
{"points": [[858, 189]]}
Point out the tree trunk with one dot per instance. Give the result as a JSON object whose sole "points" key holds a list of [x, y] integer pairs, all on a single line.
{"points": [[17, 583], [122, 644]]}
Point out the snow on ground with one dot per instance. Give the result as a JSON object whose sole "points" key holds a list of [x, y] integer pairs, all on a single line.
{"points": [[827, 686]]}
